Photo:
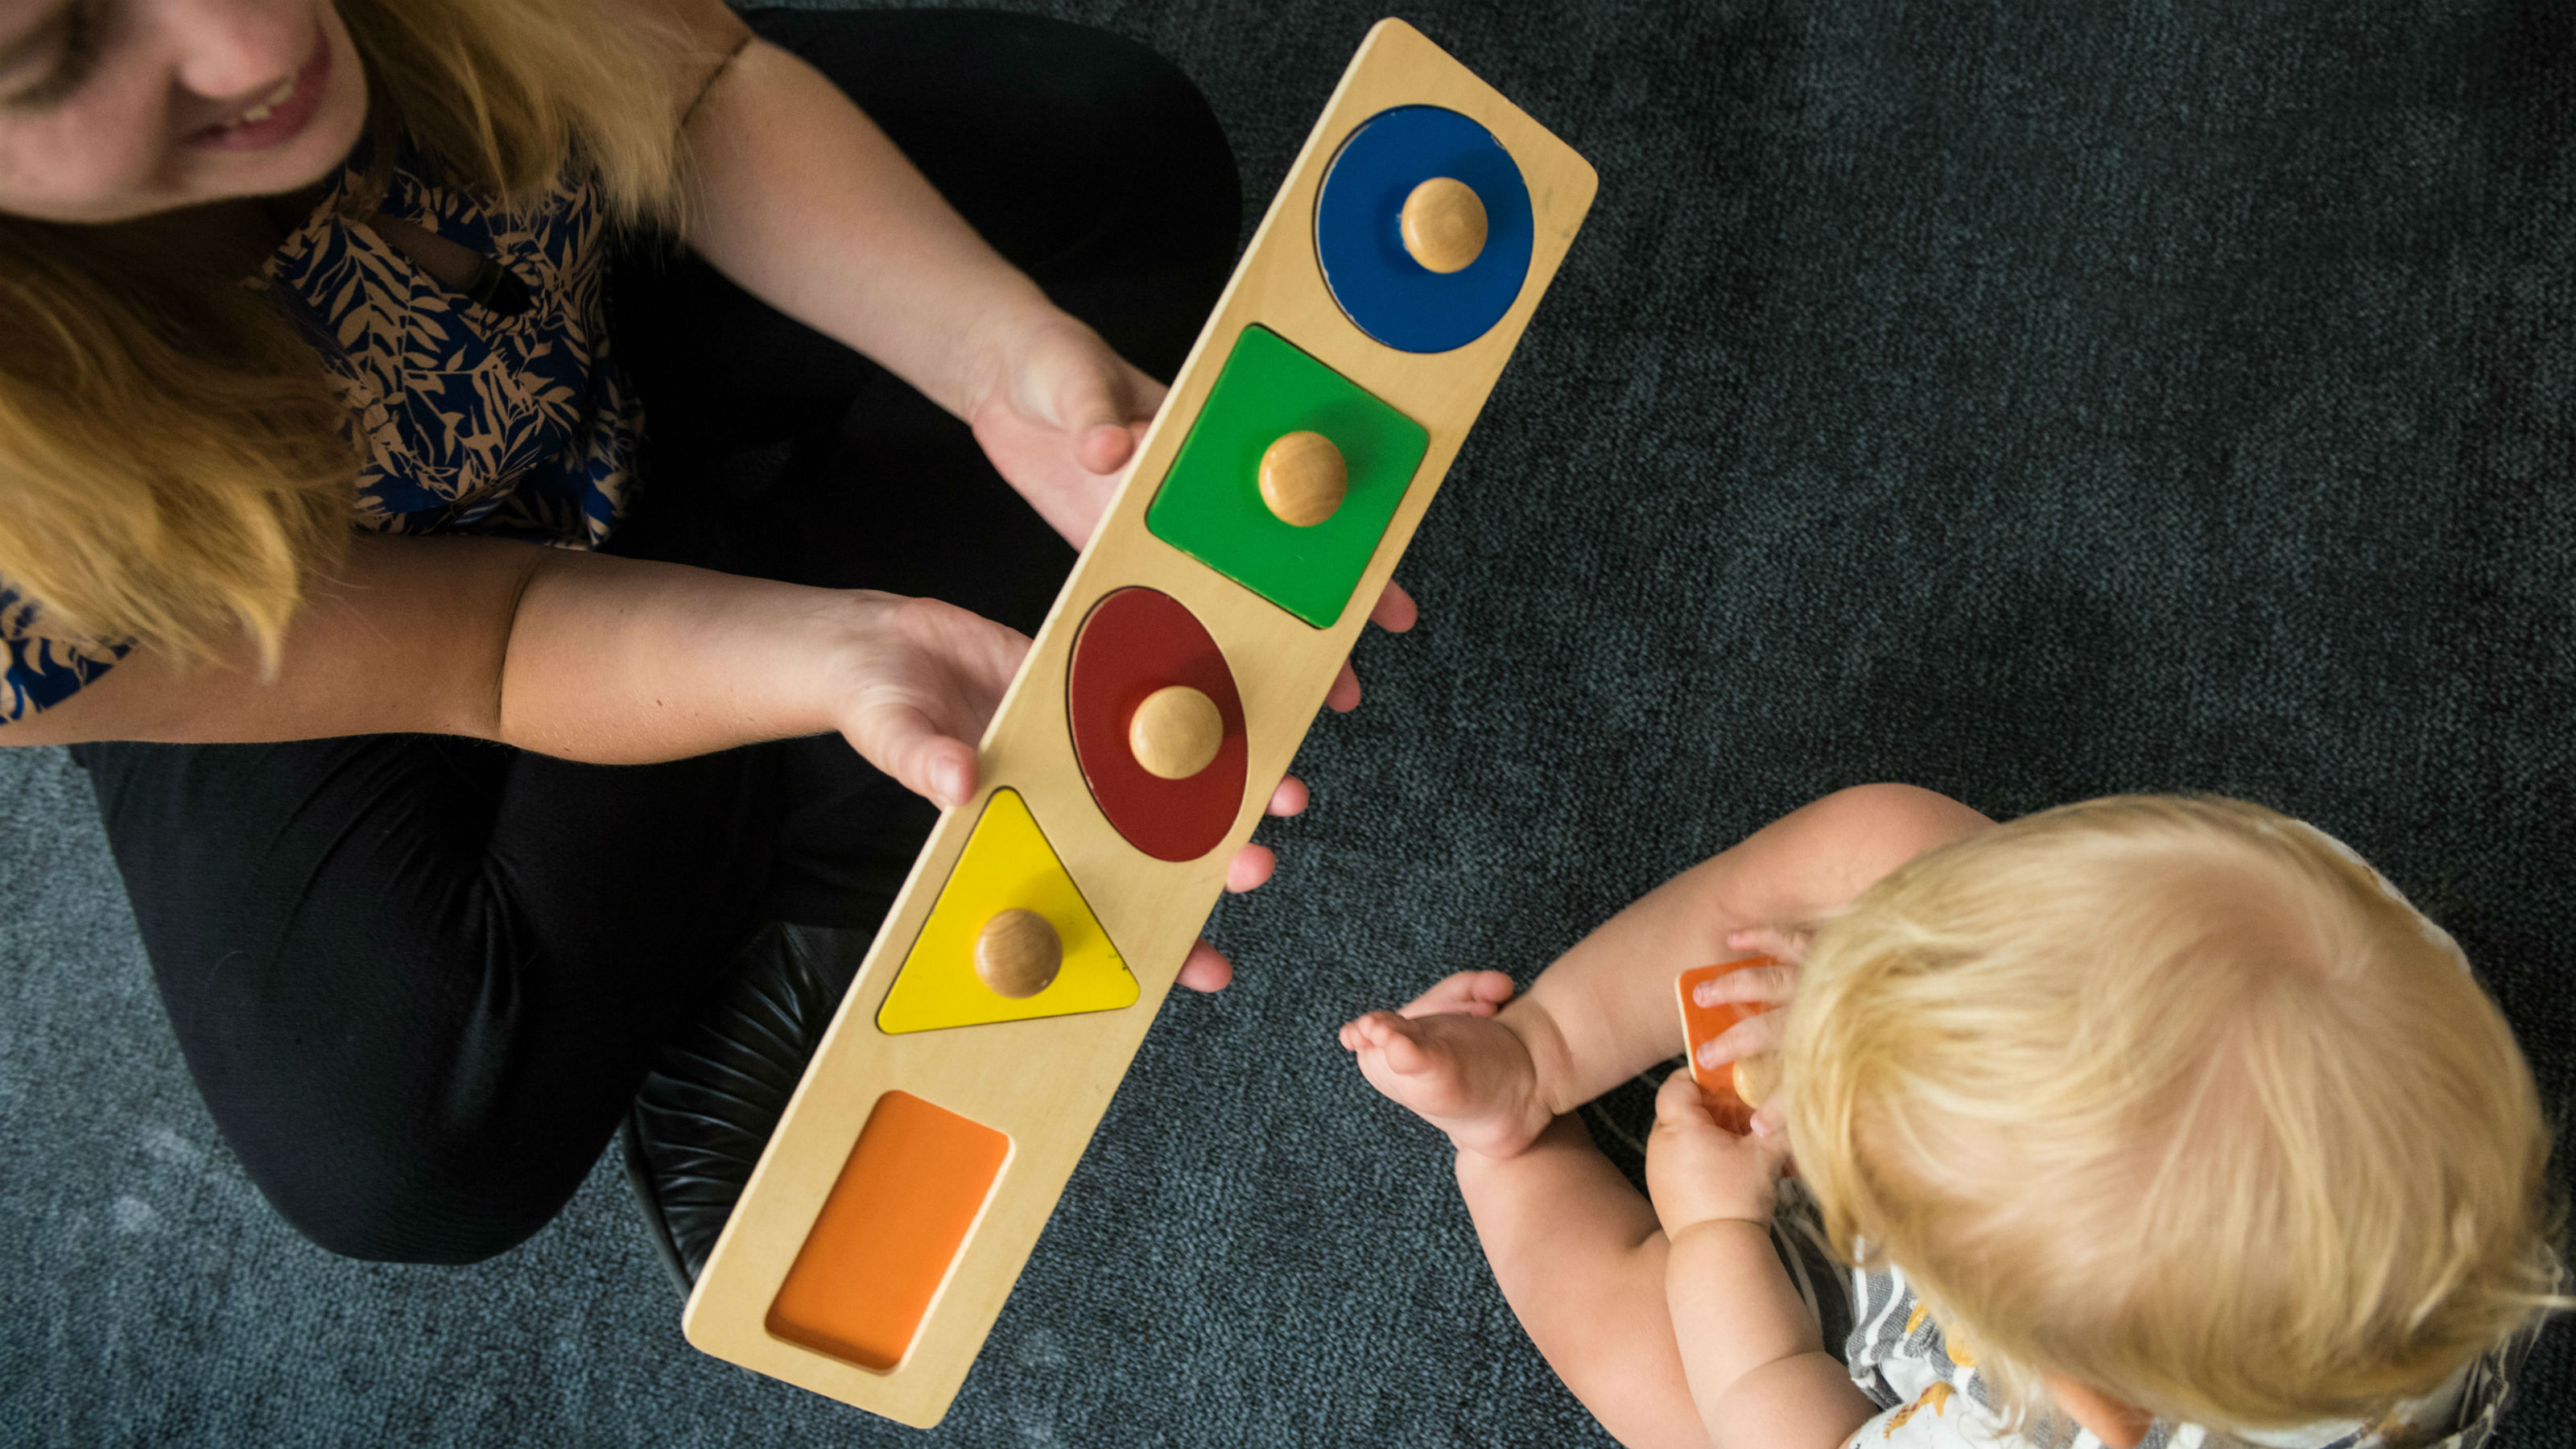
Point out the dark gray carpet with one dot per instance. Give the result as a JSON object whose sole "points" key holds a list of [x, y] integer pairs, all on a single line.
{"points": [[2029, 400]]}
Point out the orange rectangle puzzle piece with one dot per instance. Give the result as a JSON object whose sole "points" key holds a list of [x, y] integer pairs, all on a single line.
{"points": [[889, 1232], [1701, 1024]]}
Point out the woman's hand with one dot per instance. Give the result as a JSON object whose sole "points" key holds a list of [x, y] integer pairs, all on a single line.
{"points": [[1697, 1171], [1061, 414], [916, 683], [918, 680]]}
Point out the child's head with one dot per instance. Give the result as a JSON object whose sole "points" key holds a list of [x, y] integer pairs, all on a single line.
{"points": [[2176, 1099]]}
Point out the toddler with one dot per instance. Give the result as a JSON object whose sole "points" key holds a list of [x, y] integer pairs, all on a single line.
{"points": [[2145, 1121]]}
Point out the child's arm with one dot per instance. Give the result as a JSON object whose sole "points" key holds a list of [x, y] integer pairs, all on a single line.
{"points": [[1574, 1250], [1604, 1011], [1493, 1071], [1757, 1369]]}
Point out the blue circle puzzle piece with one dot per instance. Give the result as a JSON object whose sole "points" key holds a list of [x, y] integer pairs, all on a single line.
{"points": [[1359, 237]]}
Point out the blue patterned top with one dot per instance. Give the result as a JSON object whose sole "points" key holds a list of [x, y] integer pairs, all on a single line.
{"points": [[516, 426]]}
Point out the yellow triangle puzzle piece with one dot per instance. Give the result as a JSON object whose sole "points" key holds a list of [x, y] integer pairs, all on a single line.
{"points": [[1007, 865]]}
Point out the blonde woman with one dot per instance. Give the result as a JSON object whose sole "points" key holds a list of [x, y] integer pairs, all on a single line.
{"points": [[2141, 1121], [438, 642]]}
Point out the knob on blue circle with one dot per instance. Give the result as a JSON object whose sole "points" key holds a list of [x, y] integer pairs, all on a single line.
{"points": [[1359, 229]]}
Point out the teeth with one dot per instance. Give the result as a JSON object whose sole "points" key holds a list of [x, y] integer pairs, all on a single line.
{"points": [[267, 106]]}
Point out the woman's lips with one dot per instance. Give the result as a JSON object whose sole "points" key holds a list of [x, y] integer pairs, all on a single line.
{"points": [[278, 117]]}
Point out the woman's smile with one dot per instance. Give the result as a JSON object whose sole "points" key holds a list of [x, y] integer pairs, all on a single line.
{"points": [[134, 110], [281, 114]]}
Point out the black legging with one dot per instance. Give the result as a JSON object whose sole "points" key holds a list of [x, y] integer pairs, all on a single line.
{"points": [[416, 978]]}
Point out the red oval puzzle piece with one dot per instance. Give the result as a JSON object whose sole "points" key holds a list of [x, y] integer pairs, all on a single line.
{"points": [[1134, 642]]}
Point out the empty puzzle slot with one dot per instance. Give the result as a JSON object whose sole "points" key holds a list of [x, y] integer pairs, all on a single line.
{"points": [[889, 1232]]}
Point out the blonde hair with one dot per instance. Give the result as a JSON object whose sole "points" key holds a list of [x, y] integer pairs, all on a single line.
{"points": [[173, 465], [2180, 1100]]}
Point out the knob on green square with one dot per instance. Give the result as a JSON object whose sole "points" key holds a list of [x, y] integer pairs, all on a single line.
{"points": [[1211, 505]]}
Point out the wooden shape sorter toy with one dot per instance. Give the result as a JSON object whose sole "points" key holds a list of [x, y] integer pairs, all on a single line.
{"points": [[1018, 969]]}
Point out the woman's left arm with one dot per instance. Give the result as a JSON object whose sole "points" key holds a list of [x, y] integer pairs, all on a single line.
{"points": [[804, 202], [800, 199]]}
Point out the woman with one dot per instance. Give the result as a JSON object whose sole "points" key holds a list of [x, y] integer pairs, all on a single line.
{"points": [[309, 350]]}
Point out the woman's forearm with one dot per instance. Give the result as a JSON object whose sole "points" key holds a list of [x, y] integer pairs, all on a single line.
{"points": [[583, 656], [620, 662], [805, 203]]}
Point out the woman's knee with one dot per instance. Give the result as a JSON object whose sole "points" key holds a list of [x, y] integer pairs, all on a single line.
{"points": [[439, 1126], [412, 1200]]}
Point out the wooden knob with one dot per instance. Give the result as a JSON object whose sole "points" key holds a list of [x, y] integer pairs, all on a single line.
{"points": [[1757, 1078], [1176, 732], [1444, 224], [1018, 953], [1303, 478]]}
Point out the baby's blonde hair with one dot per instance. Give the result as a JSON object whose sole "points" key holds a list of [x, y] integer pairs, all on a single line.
{"points": [[2178, 1099]]}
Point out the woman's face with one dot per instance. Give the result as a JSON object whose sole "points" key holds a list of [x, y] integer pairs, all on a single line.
{"points": [[112, 109]]}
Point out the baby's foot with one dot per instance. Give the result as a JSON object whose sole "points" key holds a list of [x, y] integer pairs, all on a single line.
{"points": [[1445, 1057]]}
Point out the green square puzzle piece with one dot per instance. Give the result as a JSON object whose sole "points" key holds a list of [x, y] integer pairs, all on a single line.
{"points": [[1210, 504]]}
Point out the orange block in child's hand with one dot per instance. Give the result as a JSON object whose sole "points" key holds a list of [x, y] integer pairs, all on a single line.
{"points": [[889, 1232], [1703, 1023]]}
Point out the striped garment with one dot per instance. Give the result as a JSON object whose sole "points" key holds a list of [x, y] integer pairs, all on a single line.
{"points": [[1926, 1382]]}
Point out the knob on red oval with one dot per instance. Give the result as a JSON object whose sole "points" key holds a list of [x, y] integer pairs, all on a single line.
{"points": [[1134, 642]]}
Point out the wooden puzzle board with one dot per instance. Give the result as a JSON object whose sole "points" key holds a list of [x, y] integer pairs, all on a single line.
{"points": [[1045, 1082]]}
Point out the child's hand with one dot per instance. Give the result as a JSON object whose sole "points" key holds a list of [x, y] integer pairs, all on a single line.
{"points": [[1697, 1170], [1772, 986], [1783, 944]]}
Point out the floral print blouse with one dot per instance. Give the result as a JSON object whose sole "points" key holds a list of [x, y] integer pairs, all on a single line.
{"points": [[511, 422]]}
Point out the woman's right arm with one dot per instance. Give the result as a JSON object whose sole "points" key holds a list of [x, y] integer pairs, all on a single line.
{"points": [[582, 656]]}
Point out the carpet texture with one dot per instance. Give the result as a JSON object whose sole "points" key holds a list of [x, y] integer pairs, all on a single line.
{"points": [[2027, 400]]}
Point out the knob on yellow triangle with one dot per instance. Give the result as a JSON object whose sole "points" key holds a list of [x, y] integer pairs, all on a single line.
{"points": [[1007, 867]]}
